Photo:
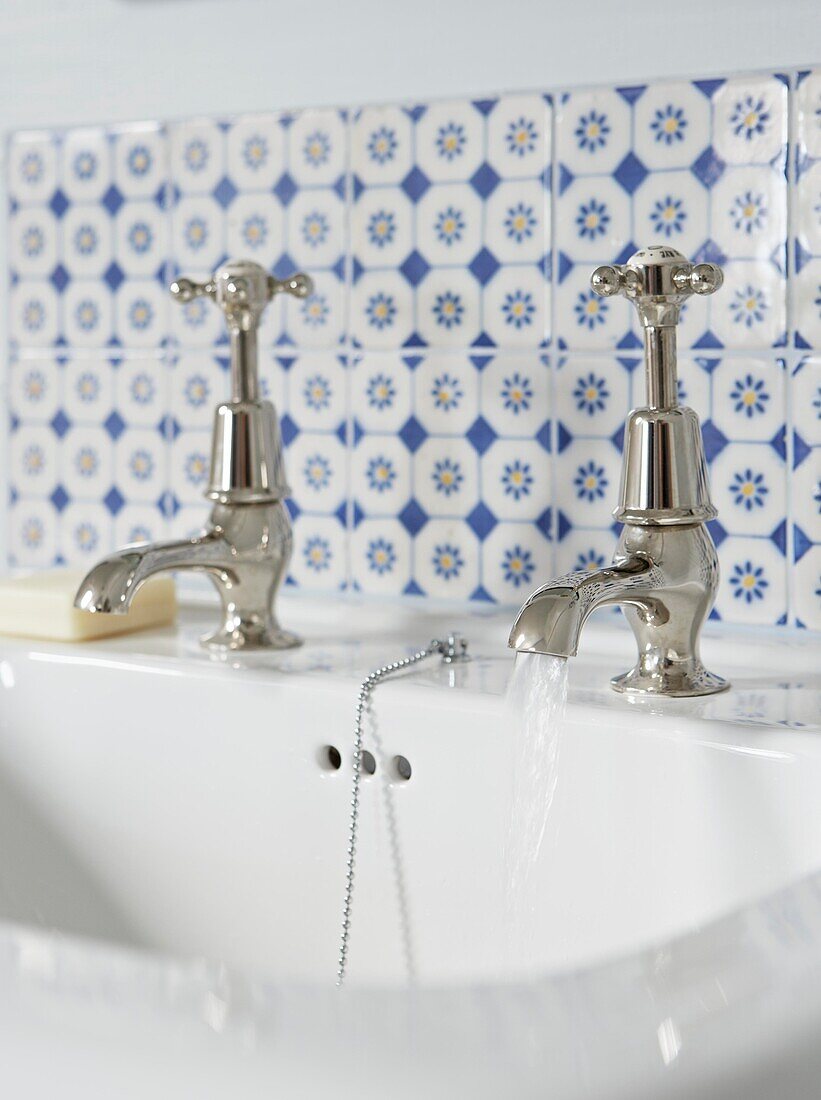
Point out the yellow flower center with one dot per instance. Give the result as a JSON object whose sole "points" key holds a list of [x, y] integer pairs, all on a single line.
{"points": [[590, 482], [591, 221], [593, 129], [671, 125], [748, 581], [516, 565], [593, 307], [748, 398], [747, 489], [591, 393], [750, 119]]}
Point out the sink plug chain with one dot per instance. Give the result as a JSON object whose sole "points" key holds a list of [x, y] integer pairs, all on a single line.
{"points": [[453, 648]]}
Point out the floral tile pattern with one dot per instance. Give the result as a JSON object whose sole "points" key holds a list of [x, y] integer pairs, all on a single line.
{"points": [[698, 165], [451, 397]]}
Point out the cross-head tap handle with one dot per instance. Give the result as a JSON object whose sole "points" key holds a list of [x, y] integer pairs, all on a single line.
{"points": [[658, 280], [242, 289]]}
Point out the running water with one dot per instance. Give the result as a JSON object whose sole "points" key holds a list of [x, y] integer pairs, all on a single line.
{"points": [[536, 698]]}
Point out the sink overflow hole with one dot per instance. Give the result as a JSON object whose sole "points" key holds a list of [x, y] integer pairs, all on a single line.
{"points": [[401, 767], [330, 758], [368, 763]]}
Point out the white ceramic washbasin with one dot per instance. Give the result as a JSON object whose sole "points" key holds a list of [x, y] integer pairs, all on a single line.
{"points": [[154, 799]]}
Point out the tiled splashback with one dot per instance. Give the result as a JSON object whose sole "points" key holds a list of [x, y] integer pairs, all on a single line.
{"points": [[452, 395]]}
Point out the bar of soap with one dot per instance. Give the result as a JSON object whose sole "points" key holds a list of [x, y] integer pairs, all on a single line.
{"points": [[41, 605]]}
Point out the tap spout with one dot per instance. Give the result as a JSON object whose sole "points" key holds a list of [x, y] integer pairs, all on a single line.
{"points": [[112, 584], [551, 620]]}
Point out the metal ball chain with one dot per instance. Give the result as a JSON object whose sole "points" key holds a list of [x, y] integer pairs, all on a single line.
{"points": [[453, 648]]}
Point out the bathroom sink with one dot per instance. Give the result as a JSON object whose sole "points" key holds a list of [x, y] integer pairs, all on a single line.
{"points": [[174, 837]]}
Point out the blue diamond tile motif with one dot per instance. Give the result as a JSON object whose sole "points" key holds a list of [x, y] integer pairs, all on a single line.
{"points": [[631, 173], [169, 428], [481, 521], [714, 440], [413, 517], [485, 180], [114, 275], [288, 430], [60, 278], [60, 424], [481, 435], [294, 511], [114, 500], [285, 266], [225, 192], [168, 505], [59, 498], [415, 184], [58, 203], [484, 266], [114, 424], [708, 167], [412, 434], [113, 200], [415, 268], [285, 188]]}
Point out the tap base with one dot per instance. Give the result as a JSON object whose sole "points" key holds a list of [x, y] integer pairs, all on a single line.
{"points": [[238, 639], [686, 680]]}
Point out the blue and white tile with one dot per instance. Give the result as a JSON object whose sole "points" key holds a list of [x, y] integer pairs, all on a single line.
{"points": [[749, 214], [595, 221], [198, 235], [516, 558], [805, 492], [446, 560], [381, 557], [382, 145], [748, 401], [197, 155], [315, 393], [35, 389], [593, 395], [515, 308], [141, 239], [587, 322], [446, 477], [316, 229], [673, 208], [382, 227], [450, 140], [87, 463], [32, 168], [592, 131], [672, 125], [318, 321], [88, 394], [751, 119], [519, 135], [86, 529], [88, 314], [806, 579], [33, 461], [448, 309], [32, 533], [33, 314], [748, 483], [32, 242], [255, 228], [382, 310], [320, 557], [382, 391], [141, 465], [138, 523], [141, 310], [750, 310], [514, 392], [446, 396], [317, 471], [140, 160], [189, 466], [807, 213], [255, 152], [317, 147], [753, 588], [142, 391], [587, 473], [381, 475], [516, 480], [86, 169], [88, 247], [449, 224], [199, 382], [584, 549], [517, 225]]}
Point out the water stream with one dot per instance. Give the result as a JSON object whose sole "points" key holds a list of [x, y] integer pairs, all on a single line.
{"points": [[536, 699]]}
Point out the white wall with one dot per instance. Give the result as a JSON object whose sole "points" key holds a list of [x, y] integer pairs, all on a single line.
{"points": [[67, 61], [79, 61]]}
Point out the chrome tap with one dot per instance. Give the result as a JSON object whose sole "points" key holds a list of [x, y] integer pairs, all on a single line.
{"points": [[665, 569], [246, 547]]}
